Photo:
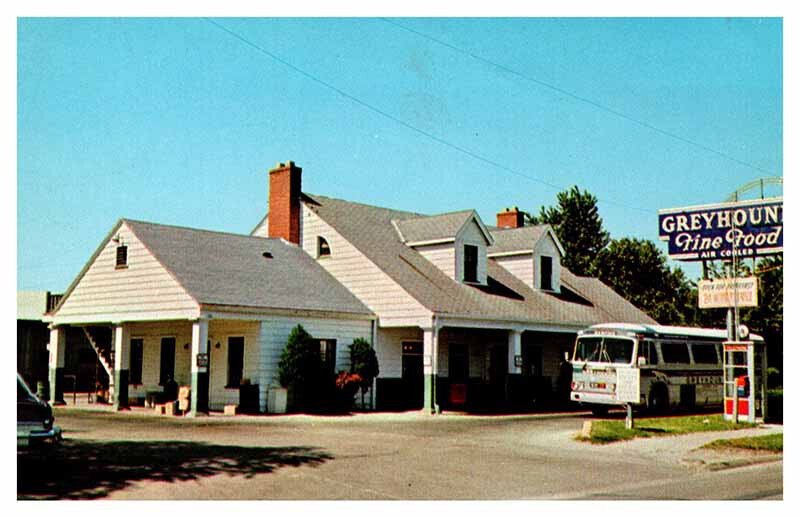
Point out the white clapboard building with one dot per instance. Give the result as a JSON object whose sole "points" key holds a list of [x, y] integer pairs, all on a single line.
{"points": [[461, 314]]}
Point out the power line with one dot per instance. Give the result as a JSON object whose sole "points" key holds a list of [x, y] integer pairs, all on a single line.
{"points": [[575, 96], [397, 120]]}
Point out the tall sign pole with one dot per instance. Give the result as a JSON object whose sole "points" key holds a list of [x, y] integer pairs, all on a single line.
{"points": [[730, 232]]}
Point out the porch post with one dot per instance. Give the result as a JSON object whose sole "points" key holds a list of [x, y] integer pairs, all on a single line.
{"points": [[430, 367], [514, 386], [199, 368], [514, 350], [122, 355], [58, 342]]}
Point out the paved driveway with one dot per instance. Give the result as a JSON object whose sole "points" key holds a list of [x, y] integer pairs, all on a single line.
{"points": [[394, 456]]}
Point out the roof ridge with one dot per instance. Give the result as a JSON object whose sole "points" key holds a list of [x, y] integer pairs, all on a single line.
{"points": [[465, 211], [312, 196], [496, 229], [216, 232]]}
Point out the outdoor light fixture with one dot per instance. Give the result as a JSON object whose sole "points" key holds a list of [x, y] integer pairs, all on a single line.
{"points": [[218, 345], [186, 346]]}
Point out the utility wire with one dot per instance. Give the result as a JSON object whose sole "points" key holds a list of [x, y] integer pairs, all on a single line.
{"points": [[575, 96], [399, 121]]}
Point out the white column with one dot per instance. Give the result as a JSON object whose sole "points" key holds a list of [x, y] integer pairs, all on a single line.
{"points": [[57, 350], [514, 350], [199, 373], [122, 356], [430, 367]]}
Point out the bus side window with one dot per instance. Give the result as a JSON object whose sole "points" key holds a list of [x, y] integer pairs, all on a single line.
{"points": [[675, 352], [647, 349]]}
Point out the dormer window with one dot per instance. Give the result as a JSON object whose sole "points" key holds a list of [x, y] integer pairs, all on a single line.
{"points": [[470, 263], [323, 249], [546, 276], [122, 257]]}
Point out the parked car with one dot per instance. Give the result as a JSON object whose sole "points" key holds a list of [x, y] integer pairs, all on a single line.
{"points": [[34, 418]]}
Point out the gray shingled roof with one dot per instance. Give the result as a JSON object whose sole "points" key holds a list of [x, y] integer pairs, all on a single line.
{"points": [[516, 239], [227, 269], [432, 227], [368, 228]]}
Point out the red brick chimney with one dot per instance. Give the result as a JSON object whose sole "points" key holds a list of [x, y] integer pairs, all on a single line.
{"points": [[284, 202], [510, 218]]}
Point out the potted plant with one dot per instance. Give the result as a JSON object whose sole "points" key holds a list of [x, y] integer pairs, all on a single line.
{"points": [[347, 385], [277, 399], [364, 363]]}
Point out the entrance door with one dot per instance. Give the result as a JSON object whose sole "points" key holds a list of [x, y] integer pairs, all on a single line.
{"points": [[413, 378]]}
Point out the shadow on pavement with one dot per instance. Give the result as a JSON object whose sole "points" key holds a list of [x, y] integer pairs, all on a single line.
{"points": [[80, 469]]}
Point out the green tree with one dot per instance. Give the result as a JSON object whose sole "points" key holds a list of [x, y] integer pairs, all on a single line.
{"points": [[300, 367], [638, 271], [364, 362], [578, 226]]}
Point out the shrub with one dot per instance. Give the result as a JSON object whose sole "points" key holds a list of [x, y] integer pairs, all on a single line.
{"points": [[364, 363], [775, 406], [300, 368]]}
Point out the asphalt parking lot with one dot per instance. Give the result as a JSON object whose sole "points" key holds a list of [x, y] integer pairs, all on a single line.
{"points": [[364, 457]]}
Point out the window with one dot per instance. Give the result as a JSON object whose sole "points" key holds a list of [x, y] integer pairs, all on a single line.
{"points": [[137, 346], [705, 353], [235, 361], [327, 352], [618, 350], [546, 276], [675, 352], [122, 256], [470, 263], [323, 249], [588, 349], [167, 360], [647, 349]]}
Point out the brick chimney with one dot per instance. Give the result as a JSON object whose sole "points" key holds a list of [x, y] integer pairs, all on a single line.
{"points": [[284, 202], [510, 218]]}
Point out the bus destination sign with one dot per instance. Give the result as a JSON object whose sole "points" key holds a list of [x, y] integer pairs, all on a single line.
{"points": [[713, 232]]}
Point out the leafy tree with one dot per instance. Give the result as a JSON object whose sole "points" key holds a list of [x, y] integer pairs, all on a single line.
{"points": [[578, 226], [300, 368], [363, 362], [638, 271]]}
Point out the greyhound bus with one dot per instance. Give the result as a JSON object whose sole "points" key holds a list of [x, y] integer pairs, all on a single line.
{"points": [[673, 366]]}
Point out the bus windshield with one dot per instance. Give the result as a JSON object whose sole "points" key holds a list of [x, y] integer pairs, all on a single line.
{"points": [[604, 350]]}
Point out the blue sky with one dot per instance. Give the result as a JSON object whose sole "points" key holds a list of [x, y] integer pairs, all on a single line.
{"points": [[177, 121]]}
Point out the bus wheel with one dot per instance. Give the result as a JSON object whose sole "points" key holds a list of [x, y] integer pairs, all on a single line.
{"points": [[658, 401], [600, 410]]}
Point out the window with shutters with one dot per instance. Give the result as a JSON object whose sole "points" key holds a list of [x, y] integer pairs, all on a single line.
{"points": [[546, 273], [122, 257], [470, 263]]}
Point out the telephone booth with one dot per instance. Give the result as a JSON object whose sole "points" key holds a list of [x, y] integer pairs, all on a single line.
{"points": [[745, 381]]}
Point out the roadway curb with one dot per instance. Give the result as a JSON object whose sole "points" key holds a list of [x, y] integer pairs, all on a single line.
{"points": [[732, 463]]}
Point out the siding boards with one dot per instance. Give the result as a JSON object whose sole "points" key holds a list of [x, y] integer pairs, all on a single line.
{"points": [[389, 349], [218, 332], [144, 286], [521, 266], [275, 332], [151, 334], [443, 256], [357, 273]]}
